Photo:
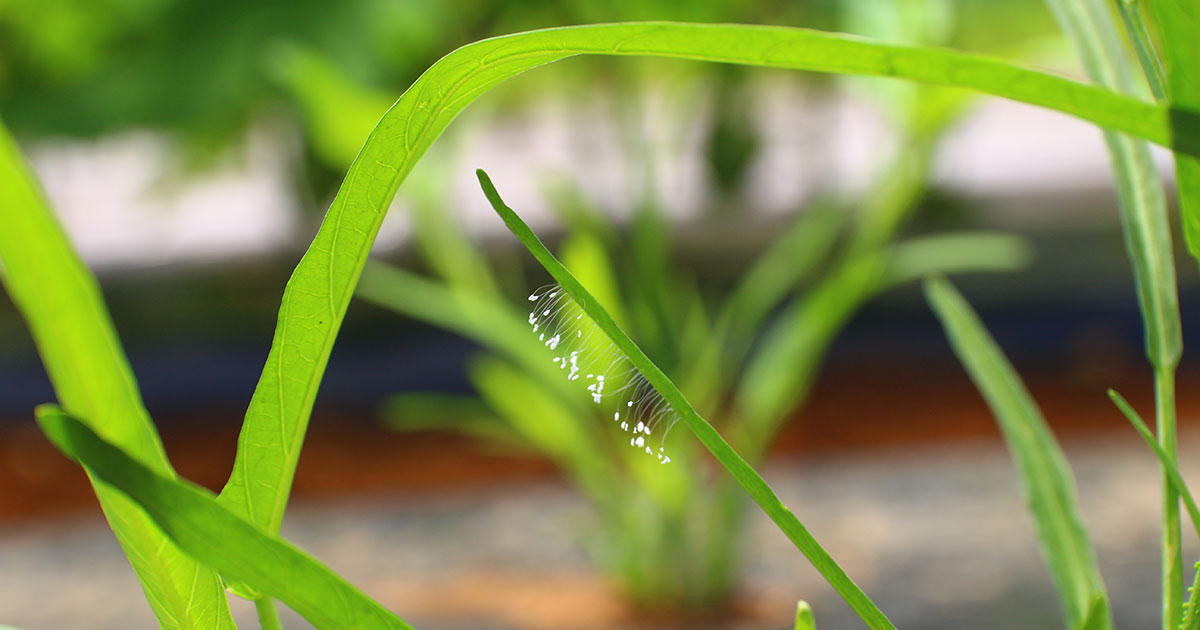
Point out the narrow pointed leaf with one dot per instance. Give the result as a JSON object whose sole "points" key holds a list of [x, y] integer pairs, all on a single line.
{"points": [[194, 521], [1165, 460], [1046, 479], [804, 617]]}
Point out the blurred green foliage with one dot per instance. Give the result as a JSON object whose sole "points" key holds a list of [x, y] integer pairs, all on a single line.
{"points": [[86, 67]]}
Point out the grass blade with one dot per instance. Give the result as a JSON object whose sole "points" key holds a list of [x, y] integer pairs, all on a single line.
{"points": [[61, 302], [193, 520], [1179, 27], [1090, 26], [1167, 462], [804, 617], [743, 472], [1131, 15], [319, 291], [1046, 479]]}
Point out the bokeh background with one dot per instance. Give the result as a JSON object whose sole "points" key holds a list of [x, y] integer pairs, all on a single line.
{"points": [[191, 150]]}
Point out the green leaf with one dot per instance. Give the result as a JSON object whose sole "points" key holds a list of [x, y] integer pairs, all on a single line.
{"points": [[1098, 616], [1090, 26], [193, 520], [61, 302], [789, 260], [1179, 26], [1135, 27], [743, 472], [338, 112], [1046, 479], [804, 617], [962, 252], [489, 322], [319, 291], [1167, 462]]}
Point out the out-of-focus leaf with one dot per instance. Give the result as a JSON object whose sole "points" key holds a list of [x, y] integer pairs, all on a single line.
{"points": [[587, 255], [787, 261], [804, 617], [963, 252], [1046, 478], [426, 411], [192, 519], [61, 302], [338, 112], [1179, 25]]}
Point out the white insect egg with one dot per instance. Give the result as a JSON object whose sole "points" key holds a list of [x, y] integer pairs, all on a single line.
{"points": [[641, 441], [640, 425]]}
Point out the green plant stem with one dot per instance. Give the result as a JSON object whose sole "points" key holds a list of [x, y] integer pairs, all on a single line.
{"points": [[1172, 551], [268, 614], [1143, 207], [745, 474]]}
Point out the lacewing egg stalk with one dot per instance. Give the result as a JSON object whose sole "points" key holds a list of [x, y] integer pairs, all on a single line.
{"points": [[584, 351]]}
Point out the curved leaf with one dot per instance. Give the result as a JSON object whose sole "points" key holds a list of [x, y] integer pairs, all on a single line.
{"points": [[319, 291]]}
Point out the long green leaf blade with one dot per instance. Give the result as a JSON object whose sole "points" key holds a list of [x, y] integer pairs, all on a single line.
{"points": [[1046, 479], [319, 291], [1179, 25], [61, 302], [194, 521], [1167, 462], [743, 472], [1092, 30]]}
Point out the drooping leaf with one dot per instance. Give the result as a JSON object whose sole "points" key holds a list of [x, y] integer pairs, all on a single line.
{"points": [[1046, 479], [193, 520], [318, 293], [61, 302], [804, 617]]}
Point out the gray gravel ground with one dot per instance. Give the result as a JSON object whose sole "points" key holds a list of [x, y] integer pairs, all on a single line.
{"points": [[938, 537]]}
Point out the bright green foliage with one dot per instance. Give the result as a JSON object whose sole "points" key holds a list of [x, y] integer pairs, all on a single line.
{"points": [[741, 471], [1089, 25], [804, 617], [320, 288], [62, 304], [194, 521], [1046, 479], [1178, 23]]}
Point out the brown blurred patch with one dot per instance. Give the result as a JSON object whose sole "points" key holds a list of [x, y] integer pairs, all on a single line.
{"points": [[871, 406]]}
